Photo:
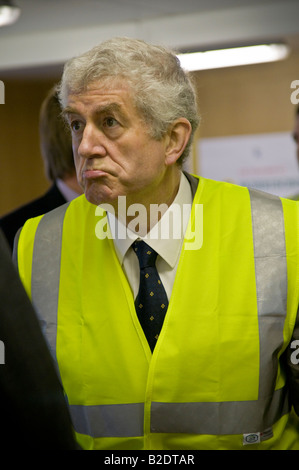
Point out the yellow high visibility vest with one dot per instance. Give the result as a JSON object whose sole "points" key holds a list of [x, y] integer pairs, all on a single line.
{"points": [[214, 380]]}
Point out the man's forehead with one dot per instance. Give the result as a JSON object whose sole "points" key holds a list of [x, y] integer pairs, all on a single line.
{"points": [[101, 94]]}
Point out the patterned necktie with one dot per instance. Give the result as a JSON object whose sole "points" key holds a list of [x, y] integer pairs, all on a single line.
{"points": [[151, 302]]}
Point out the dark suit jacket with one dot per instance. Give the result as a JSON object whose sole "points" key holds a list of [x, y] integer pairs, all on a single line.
{"points": [[33, 411], [11, 222]]}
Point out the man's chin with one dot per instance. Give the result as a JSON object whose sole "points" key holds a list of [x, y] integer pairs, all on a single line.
{"points": [[98, 196]]}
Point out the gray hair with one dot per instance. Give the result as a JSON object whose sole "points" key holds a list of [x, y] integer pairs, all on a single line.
{"points": [[162, 90]]}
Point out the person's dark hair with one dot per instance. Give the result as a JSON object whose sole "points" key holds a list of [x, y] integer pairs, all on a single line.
{"points": [[55, 139]]}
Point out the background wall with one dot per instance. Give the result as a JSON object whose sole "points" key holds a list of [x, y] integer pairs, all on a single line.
{"points": [[252, 99], [21, 167], [238, 100]]}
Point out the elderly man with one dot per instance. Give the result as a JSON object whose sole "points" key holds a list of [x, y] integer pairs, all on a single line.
{"points": [[178, 339]]}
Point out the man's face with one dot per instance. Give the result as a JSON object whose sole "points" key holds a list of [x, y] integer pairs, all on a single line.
{"points": [[114, 154], [296, 135]]}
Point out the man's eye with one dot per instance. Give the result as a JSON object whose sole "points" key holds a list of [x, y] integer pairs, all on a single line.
{"points": [[75, 126], [110, 122]]}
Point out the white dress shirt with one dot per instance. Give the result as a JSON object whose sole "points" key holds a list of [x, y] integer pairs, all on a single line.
{"points": [[68, 193], [166, 242]]}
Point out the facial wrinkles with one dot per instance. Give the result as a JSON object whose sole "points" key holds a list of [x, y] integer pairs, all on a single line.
{"points": [[132, 159], [90, 115]]}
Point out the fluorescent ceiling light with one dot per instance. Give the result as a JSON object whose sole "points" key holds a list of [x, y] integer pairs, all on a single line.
{"points": [[233, 56], [8, 13]]}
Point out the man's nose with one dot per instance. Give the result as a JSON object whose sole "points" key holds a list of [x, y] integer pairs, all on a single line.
{"points": [[92, 143]]}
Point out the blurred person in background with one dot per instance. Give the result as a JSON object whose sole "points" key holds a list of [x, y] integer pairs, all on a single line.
{"points": [[56, 150]]}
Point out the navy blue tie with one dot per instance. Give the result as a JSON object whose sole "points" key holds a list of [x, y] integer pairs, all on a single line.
{"points": [[151, 302]]}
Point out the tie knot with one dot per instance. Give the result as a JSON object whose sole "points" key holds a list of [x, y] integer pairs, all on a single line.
{"points": [[146, 255]]}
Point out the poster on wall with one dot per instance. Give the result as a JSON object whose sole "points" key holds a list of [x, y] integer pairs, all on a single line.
{"points": [[262, 161]]}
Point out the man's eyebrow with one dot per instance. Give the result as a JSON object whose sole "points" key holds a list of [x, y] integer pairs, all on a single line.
{"points": [[68, 110], [111, 107]]}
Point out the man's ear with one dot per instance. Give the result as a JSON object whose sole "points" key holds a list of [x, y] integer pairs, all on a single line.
{"points": [[178, 136]]}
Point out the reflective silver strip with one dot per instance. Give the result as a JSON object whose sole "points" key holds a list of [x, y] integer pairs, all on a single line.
{"points": [[236, 417], [125, 420], [46, 272], [271, 281], [271, 285]]}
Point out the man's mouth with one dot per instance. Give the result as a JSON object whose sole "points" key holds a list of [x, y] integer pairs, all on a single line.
{"points": [[94, 173]]}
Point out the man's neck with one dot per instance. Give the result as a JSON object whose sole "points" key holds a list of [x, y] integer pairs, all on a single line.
{"points": [[152, 209]]}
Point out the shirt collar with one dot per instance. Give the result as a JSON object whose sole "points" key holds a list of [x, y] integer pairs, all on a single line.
{"points": [[68, 193], [167, 247]]}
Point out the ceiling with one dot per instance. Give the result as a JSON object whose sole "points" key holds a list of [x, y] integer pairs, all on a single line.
{"points": [[48, 32]]}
